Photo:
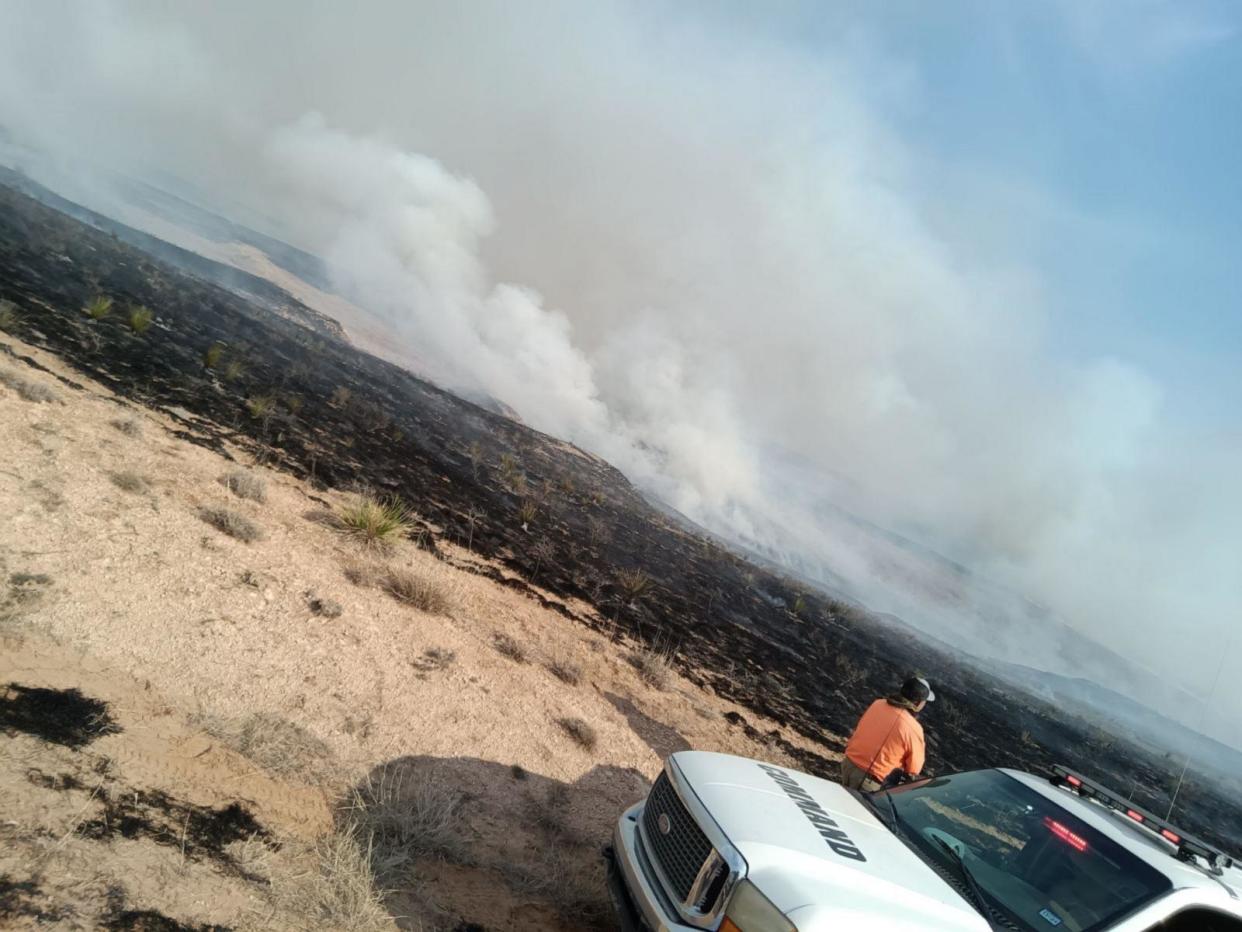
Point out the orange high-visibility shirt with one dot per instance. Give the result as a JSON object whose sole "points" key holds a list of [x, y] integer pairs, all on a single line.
{"points": [[887, 737]]}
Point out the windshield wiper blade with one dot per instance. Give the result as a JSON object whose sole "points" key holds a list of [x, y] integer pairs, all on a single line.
{"points": [[892, 823], [976, 891]]}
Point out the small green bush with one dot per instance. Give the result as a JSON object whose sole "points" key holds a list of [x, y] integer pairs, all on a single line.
{"points": [[98, 307], [375, 523], [212, 355], [261, 407], [140, 319]]}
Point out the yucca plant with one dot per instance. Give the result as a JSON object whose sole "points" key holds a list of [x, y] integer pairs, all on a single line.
{"points": [[211, 356], [99, 307], [234, 370], [140, 318], [374, 522], [632, 583]]}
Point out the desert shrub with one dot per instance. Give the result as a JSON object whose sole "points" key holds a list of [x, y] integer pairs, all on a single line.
{"points": [[420, 588], [654, 667], [261, 406], [325, 608], [98, 307], [293, 402], [245, 484], [234, 370], [565, 669], [140, 318], [582, 733], [527, 511], [435, 659], [129, 426], [402, 815], [231, 523], [26, 389], [341, 397], [375, 523], [129, 481], [212, 355], [9, 317], [632, 583], [510, 647]]}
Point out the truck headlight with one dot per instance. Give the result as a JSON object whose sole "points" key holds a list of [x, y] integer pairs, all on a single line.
{"points": [[750, 911]]}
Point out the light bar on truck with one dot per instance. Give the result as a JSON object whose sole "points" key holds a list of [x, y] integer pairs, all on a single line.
{"points": [[1187, 845]]}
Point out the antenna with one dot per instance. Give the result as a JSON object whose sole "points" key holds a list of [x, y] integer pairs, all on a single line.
{"points": [[1220, 665]]}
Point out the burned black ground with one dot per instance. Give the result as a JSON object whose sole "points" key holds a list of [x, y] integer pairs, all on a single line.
{"points": [[199, 833], [59, 716], [305, 401]]}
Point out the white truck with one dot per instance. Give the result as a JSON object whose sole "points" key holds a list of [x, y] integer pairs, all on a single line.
{"points": [[727, 844]]}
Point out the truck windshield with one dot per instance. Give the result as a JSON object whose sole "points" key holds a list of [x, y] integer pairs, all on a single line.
{"points": [[1040, 866]]}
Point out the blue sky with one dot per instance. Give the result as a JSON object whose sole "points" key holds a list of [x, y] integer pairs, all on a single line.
{"points": [[1109, 133]]}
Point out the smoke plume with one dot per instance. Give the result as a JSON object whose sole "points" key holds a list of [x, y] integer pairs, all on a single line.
{"points": [[697, 250]]}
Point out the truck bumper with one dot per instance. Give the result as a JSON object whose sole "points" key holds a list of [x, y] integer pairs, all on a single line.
{"points": [[640, 905]]}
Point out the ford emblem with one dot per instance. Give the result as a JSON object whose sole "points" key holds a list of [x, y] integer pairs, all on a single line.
{"points": [[665, 823]]}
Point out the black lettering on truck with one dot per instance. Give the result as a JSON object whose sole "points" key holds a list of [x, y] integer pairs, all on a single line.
{"points": [[827, 827]]}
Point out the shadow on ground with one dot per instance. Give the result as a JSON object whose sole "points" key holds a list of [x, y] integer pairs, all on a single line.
{"points": [[484, 845]]}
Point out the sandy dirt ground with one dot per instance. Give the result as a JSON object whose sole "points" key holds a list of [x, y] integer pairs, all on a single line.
{"points": [[203, 650]]}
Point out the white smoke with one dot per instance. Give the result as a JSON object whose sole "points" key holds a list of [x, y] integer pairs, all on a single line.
{"points": [[739, 268]]}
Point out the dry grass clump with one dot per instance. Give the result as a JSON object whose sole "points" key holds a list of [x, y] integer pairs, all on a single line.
{"points": [[231, 523], [341, 895], [400, 815], [374, 523], [275, 744], [363, 573], [510, 647], [565, 668], [129, 426], [421, 588], [130, 481], [655, 667], [245, 484], [582, 733], [25, 388]]}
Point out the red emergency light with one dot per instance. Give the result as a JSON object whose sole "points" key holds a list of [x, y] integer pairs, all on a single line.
{"points": [[1068, 836], [1187, 846]]}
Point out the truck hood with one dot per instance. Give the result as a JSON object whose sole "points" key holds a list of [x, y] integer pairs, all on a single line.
{"points": [[818, 853]]}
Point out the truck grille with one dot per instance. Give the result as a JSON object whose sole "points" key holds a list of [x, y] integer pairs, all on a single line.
{"points": [[678, 845]]}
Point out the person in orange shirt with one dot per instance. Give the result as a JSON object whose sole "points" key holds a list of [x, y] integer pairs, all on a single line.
{"points": [[887, 737]]}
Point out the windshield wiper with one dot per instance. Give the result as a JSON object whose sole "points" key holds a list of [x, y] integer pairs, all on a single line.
{"points": [[892, 823], [976, 891]]}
